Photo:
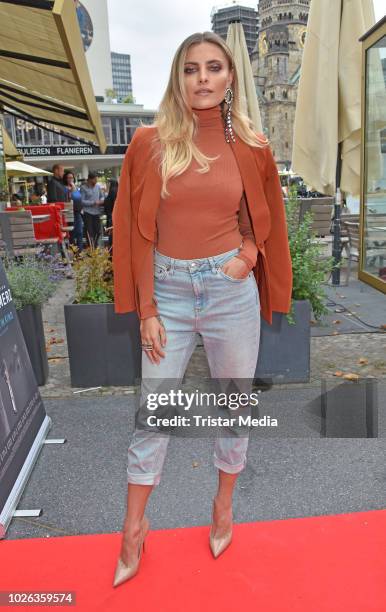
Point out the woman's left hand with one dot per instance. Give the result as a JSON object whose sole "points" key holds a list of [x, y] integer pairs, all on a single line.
{"points": [[236, 268]]}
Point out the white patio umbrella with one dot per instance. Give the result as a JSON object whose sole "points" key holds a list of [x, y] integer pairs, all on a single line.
{"points": [[18, 168], [328, 109], [249, 103]]}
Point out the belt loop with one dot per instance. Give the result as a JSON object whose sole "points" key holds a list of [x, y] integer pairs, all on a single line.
{"points": [[213, 266], [171, 265]]}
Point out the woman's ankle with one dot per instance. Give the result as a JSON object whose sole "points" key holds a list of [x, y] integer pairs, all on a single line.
{"points": [[223, 502]]}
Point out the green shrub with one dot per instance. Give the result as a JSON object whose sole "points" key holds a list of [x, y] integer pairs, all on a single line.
{"points": [[93, 276], [309, 267], [32, 281]]}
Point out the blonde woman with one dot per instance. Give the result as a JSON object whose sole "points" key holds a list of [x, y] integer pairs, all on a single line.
{"points": [[200, 247]]}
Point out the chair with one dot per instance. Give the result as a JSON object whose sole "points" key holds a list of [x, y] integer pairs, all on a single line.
{"points": [[373, 250], [68, 213], [353, 248], [66, 227], [321, 209], [17, 236]]}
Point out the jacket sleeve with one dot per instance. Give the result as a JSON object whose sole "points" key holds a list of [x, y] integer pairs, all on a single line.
{"points": [[248, 252], [147, 303], [124, 292], [277, 246]]}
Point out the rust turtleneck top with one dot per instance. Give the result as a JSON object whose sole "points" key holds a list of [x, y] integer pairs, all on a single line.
{"points": [[206, 213]]}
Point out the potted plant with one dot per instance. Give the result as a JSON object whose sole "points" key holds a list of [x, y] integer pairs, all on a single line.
{"points": [[284, 354], [104, 348], [32, 281]]}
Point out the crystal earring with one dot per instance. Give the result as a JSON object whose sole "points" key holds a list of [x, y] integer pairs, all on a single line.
{"points": [[228, 116]]}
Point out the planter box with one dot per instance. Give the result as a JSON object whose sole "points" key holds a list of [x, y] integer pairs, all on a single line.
{"points": [[104, 348], [31, 323], [284, 353]]}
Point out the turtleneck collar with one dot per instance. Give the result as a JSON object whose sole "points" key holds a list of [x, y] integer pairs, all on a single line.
{"points": [[209, 117]]}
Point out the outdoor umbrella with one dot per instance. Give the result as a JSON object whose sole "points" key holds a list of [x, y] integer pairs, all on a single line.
{"points": [[17, 168], [328, 109], [248, 97]]}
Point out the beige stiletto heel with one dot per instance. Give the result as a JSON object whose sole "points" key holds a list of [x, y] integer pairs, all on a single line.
{"points": [[219, 544], [125, 572]]}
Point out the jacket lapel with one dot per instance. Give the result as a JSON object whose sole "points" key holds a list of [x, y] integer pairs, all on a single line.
{"points": [[254, 189], [149, 201], [253, 182]]}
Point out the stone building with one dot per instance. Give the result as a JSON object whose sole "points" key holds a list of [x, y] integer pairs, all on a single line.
{"points": [[276, 63]]}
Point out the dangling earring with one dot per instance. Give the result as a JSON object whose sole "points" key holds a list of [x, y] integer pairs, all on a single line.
{"points": [[228, 116]]}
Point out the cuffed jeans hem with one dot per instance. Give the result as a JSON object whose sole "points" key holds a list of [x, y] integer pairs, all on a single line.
{"points": [[226, 467], [143, 479]]}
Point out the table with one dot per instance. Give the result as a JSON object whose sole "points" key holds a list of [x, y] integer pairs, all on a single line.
{"points": [[46, 228], [40, 218]]}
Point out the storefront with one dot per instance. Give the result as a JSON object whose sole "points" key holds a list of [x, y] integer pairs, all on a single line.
{"points": [[372, 247], [45, 148]]}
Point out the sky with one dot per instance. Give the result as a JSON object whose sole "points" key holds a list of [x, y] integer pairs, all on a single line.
{"points": [[151, 30]]}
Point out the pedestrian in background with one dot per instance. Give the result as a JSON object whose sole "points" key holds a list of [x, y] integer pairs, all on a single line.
{"points": [[92, 200], [56, 191], [109, 206], [73, 193]]}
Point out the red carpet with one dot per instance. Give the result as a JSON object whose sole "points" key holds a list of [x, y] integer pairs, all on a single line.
{"points": [[316, 564]]}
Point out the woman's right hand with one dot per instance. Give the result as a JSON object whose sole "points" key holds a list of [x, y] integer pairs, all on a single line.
{"points": [[153, 332]]}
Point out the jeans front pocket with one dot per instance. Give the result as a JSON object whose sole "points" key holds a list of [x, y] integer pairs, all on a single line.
{"points": [[231, 278]]}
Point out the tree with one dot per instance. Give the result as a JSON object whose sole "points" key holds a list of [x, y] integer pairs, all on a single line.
{"points": [[110, 94], [129, 99]]}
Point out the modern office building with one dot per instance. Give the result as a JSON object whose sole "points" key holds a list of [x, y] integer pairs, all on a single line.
{"points": [[276, 62], [94, 26], [248, 17], [121, 68]]}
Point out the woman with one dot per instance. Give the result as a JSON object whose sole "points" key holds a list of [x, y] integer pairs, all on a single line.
{"points": [[109, 207], [73, 194], [199, 218]]}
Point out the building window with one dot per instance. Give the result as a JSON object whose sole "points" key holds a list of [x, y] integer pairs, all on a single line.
{"points": [[286, 145], [273, 129]]}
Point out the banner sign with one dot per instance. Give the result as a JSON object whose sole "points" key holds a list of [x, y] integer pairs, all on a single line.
{"points": [[22, 412]]}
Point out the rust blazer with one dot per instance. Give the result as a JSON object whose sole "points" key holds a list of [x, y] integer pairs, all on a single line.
{"points": [[134, 221]]}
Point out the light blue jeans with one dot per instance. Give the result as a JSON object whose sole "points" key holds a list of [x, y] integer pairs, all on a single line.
{"points": [[196, 297]]}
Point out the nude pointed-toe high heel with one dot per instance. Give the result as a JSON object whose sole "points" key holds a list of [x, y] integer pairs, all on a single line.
{"points": [[125, 572], [219, 544]]}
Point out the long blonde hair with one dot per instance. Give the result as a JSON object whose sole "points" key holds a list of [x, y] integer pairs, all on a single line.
{"points": [[176, 123]]}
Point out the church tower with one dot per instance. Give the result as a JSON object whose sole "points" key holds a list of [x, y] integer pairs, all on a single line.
{"points": [[276, 63]]}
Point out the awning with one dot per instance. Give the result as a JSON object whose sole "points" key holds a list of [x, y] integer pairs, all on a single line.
{"points": [[17, 168], [44, 76]]}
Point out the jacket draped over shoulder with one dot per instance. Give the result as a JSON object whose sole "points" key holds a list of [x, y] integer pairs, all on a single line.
{"points": [[134, 222]]}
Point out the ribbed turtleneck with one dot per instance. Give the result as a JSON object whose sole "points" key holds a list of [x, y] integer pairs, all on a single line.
{"points": [[205, 213], [209, 117]]}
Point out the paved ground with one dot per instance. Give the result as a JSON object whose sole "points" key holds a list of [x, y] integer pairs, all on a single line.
{"points": [[81, 485]]}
